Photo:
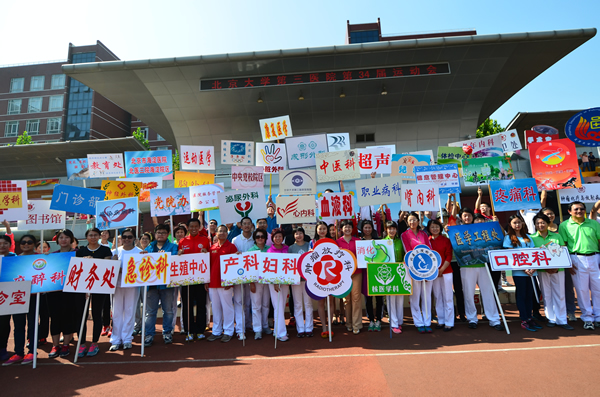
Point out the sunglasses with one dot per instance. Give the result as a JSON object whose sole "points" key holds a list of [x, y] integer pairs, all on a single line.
{"points": [[26, 242], [259, 236], [578, 209], [126, 237]]}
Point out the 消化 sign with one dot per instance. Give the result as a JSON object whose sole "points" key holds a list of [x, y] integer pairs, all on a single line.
{"points": [[371, 251]]}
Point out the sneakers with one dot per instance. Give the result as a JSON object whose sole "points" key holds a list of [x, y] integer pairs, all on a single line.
{"points": [[525, 325], [377, 326], [566, 326], [421, 330], [81, 351], [226, 338], [473, 325], [148, 340], [371, 326], [267, 331], [308, 334], [109, 332], [4, 355], [284, 338], [42, 342], [535, 325], [258, 336], [127, 346], [571, 317], [54, 352], [300, 335], [428, 330], [499, 327], [136, 332], [596, 324], [214, 337], [397, 330], [200, 336], [292, 322], [588, 325], [13, 360], [113, 348], [94, 349], [105, 330], [168, 338], [28, 359], [189, 338], [550, 324], [64, 351], [241, 336], [356, 331]]}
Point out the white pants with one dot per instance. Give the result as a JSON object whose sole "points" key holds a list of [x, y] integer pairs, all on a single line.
{"points": [[472, 276], [260, 307], [420, 303], [304, 320], [553, 288], [279, 299], [587, 280], [395, 309], [237, 302], [444, 299], [223, 314], [123, 314]]}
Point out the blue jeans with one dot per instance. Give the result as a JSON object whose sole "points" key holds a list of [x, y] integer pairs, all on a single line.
{"points": [[166, 299]]}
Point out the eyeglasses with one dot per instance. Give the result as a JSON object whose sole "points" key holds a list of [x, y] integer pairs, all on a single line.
{"points": [[126, 237], [26, 242]]}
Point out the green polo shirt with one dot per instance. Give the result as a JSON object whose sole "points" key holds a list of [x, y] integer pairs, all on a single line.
{"points": [[580, 238], [551, 237]]}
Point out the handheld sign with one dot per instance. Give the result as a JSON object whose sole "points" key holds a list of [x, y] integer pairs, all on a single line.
{"points": [[423, 263], [14, 297], [93, 276], [388, 279]]}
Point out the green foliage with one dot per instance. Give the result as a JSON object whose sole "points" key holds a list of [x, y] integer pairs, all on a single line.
{"points": [[489, 127], [139, 135], [176, 161], [24, 139]]}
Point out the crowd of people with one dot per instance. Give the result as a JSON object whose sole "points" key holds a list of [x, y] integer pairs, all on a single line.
{"points": [[261, 306]]}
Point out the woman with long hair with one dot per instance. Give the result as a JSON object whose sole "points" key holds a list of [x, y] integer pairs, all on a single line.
{"points": [[395, 302], [352, 301], [368, 232], [321, 232]]}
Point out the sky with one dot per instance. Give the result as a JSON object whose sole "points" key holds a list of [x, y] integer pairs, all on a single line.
{"points": [[158, 29]]}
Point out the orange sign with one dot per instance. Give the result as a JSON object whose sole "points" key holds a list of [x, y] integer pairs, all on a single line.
{"points": [[554, 164], [188, 179], [120, 189]]}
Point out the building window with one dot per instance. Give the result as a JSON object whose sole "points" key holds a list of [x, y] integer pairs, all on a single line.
{"points": [[11, 128], [365, 36], [37, 83], [365, 138], [162, 148], [35, 105], [53, 140], [16, 84], [145, 132], [14, 106], [58, 81], [53, 126], [56, 103], [79, 104], [33, 127], [159, 138]]}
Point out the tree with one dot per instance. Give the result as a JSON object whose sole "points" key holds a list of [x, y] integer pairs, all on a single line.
{"points": [[176, 165], [139, 135], [489, 127], [24, 139]]}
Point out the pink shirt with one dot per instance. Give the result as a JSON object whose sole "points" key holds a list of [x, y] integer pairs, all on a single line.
{"points": [[410, 240], [283, 250], [351, 246]]}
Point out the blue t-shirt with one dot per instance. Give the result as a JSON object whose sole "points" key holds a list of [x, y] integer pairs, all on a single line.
{"points": [[508, 244]]}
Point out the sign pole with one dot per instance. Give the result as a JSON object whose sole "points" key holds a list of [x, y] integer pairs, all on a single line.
{"points": [[328, 319], [144, 319], [425, 299], [494, 289], [188, 313], [83, 319], [537, 298], [559, 207], [491, 202], [275, 319], [244, 320], [37, 315]]}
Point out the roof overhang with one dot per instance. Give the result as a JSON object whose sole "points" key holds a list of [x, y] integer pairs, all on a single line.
{"points": [[486, 70], [48, 160]]}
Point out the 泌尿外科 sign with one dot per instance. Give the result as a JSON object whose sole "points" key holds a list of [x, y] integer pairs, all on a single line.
{"points": [[234, 205]]}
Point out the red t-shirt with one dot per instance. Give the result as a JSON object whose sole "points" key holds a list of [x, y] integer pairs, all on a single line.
{"points": [[484, 215], [194, 244], [215, 261], [442, 246]]}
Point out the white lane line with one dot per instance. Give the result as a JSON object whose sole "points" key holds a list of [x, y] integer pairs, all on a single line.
{"points": [[216, 360]]}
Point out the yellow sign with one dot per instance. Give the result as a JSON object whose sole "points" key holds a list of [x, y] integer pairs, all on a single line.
{"points": [[120, 189], [188, 179]]}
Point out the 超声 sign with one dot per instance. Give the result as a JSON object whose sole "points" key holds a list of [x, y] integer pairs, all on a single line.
{"points": [[335, 206], [247, 177], [552, 256], [373, 191], [302, 151], [149, 163], [236, 204], [14, 297], [445, 176], [296, 209], [275, 128], [115, 214], [77, 169], [76, 199], [41, 217], [185, 179], [388, 279], [471, 243], [168, 202], [237, 152], [278, 269], [420, 197], [588, 193], [403, 164], [121, 189], [146, 269], [92, 276], [337, 166], [205, 197], [106, 165], [13, 200], [270, 156], [298, 182], [423, 263], [374, 251], [197, 157], [515, 195], [47, 273], [189, 269], [377, 159]]}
